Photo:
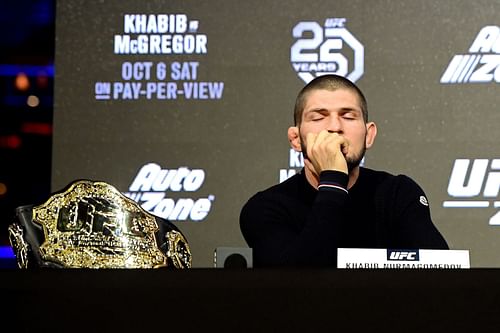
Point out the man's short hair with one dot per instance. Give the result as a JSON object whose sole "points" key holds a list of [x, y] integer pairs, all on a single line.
{"points": [[330, 82]]}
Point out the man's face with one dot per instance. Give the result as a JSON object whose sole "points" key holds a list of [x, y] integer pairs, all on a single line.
{"points": [[336, 111]]}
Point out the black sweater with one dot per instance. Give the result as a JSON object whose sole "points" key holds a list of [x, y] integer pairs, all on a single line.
{"points": [[293, 224]]}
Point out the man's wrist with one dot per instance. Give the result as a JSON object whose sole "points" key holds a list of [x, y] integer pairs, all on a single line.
{"points": [[331, 180]]}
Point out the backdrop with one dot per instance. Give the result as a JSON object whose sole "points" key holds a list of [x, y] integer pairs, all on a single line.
{"points": [[184, 105]]}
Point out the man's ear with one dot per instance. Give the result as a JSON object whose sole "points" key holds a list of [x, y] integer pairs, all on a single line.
{"points": [[294, 138], [371, 133]]}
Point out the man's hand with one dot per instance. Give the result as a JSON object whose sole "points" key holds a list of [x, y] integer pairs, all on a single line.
{"points": [[326, 151]]}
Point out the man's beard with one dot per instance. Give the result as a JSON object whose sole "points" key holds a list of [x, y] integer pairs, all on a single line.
{"points": [[352, 162]]}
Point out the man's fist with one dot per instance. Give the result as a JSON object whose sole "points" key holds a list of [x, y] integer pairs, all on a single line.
{"points": [[326, 151]]}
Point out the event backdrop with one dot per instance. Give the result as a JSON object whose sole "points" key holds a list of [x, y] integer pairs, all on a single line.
{"points": [[184, 105]]}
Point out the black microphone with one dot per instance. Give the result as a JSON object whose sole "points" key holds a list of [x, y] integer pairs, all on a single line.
{"points": [[235, 260], [233, 257]]}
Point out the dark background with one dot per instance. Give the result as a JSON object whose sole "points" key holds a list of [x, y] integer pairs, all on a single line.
{"points": [[424, 126], [240, 142], [26, 69]]}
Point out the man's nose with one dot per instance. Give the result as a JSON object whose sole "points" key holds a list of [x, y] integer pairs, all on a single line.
{"points": [[334, 125]]}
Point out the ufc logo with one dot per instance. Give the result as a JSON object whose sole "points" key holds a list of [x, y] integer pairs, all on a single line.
{"points": [[402, 255], [468, 181], [474, 184]]}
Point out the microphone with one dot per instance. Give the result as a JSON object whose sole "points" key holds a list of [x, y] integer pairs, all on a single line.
{"points": [[235, 260], [233, 257]]}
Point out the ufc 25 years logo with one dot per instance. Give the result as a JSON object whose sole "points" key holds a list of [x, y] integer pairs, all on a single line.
{"points": [[475, 184], [330, 49]]}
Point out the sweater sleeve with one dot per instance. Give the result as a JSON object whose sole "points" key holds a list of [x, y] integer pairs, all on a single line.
{"points": [[267, 224], [411, 214]]}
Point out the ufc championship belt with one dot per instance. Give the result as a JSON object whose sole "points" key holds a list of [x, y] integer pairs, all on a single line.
{"points": [[93, 225]]}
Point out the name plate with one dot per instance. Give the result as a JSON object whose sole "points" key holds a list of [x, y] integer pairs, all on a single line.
{"points": [[402, 259]]}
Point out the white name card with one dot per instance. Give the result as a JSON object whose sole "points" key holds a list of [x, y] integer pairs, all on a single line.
{"points": [[402, 259]]}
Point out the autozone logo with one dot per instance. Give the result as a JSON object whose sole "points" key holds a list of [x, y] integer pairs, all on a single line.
{"points": [[402, 255], [475, 184], [481, 64], [150, 187], [330, 49]]}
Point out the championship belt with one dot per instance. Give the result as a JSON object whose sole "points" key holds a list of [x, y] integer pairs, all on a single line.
{"points": [[93, 225]]}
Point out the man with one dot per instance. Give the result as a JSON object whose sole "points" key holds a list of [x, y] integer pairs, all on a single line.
{"points": [[333, 202]]}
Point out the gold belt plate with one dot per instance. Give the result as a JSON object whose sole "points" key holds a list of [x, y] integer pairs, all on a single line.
{"points": [[93, 225]]}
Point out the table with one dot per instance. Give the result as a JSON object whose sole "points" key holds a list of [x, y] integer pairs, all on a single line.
{"points": [[253, 300]]}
